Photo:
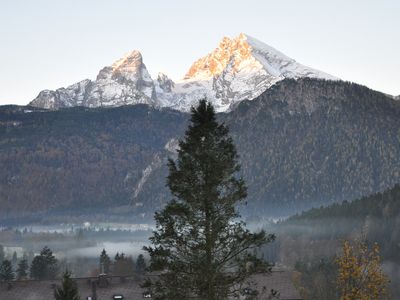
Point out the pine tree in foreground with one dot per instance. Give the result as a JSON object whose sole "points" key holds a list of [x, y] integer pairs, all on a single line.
{"points": [[200, 244], [68, 289]]}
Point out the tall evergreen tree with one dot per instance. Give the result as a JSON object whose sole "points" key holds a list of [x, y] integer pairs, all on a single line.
{"points": [[6, 271], [105, 262], [68, 290], [140, 264], [30, 256], [200, 243], [2, 255], [14, 259], [22, 270], [119, 256], [123, 265], [44, 266]]}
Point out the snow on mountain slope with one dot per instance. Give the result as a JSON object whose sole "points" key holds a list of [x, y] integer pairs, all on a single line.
{"points": [[238, 69], [127, 81]]}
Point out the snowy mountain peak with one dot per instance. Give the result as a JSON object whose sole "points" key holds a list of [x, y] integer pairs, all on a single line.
{"points": [[129, 64], [130, 59], [125, 82], [239, 68], [214, 63], [129, 67], [245, 51]]}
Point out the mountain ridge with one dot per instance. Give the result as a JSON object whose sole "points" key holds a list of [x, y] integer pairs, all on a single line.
{"points": [[302, 143], [239, 68]]}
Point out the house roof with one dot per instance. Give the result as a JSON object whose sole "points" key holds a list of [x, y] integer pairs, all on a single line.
{"points": [[44, 289], [279, 282], [130, 288]]}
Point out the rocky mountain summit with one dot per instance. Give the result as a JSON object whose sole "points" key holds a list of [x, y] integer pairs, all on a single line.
{"points": [[239, 68], [124, 82]]}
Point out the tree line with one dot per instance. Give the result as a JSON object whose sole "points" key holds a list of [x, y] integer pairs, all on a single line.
{"points": [[46, 266]]}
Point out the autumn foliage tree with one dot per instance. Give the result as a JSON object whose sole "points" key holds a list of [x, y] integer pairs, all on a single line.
{"points": [[360, 275]]}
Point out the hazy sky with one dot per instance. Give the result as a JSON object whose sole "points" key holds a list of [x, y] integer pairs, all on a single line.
{"points": [[47, 44]]}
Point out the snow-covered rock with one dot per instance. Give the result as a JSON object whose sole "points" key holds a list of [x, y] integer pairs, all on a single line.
{"points": [[126, 81], [239, 68], [172, 146]]}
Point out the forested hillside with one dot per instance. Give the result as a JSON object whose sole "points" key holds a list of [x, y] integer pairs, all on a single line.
{"points": [[302, 143], [78, 159], [376, 217], [310, 241], [308, 143]]}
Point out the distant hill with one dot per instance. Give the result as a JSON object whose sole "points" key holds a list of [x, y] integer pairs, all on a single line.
{"points": [[381, 206], [302, 143], [373, 218], [311, 240], [78, 159]]}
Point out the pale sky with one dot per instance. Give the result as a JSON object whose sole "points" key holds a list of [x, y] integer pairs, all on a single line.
{"points": [[47, 44]]}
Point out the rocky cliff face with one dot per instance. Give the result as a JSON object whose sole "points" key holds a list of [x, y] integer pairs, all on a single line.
{"points": [[125, 82], [238, 69]]}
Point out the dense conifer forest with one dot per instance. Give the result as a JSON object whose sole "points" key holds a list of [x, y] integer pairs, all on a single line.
{"points": [[301, 144], [311, 241]]}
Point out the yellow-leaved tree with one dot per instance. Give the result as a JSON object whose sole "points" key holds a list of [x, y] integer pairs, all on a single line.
{"points": [[360, 275]]}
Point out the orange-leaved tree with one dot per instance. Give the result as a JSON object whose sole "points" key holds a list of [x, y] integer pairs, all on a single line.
{"points": [[360, 275]]}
